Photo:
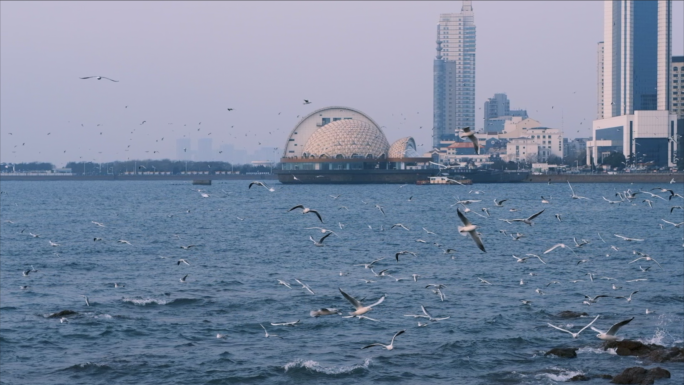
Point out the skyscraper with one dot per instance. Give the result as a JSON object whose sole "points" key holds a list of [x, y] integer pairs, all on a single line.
{"points": [[454, 74], [637, 53]]}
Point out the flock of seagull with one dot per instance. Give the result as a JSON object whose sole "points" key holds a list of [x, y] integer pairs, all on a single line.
{"points": [[463, 212]]}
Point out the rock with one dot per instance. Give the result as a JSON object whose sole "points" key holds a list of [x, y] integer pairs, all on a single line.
{"points": [[605, 376], [563, 352], [579, 377], [571, 314], [654, 353], [62, 313], [639, 375]]}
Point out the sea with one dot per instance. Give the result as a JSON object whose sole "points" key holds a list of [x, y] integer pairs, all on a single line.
{"points": [[140, 315]]}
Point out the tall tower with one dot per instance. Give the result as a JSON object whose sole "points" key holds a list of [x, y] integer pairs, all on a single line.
{"points": [[454, 74], [599, 80], [637, 55]]}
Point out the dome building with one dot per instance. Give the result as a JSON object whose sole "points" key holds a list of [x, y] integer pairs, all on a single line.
{"points": [[344, 145]]}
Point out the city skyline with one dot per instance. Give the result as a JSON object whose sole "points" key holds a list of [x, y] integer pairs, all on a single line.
{"points": [[180, 66]]}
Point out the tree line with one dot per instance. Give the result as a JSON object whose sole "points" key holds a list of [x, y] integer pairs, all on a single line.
{"points": [[139, 166]]}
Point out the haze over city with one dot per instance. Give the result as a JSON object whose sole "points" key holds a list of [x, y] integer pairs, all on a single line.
{"points": [[180, 66]]}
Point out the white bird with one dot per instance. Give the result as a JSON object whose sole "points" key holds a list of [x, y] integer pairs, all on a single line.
{"points": [[97, 224], [575, 335], [34, 235], [388, 347], [544, 200], [611, 202], [484, 281], [399, 225], [281, 282], [527, 220], [183, 261], [674, 224], [594, 299], [266, 333], [629, 299], [307, 210], [86, 300], [430, 317], [404, 253], [428, 231], [262, 185], [320, 242], [499, 203], [627, 238], [184, 277], [370, 265], [100, 78], [610, 334], [525, 302], [124, 241], [577, 244], [187, 247], [292, 323], [470, 135], [322, 230], [304, 286], [360, 309], [562, 245], [539, 291], [380, 208], [536, 256], [53, 244], [219, 335], [646, 257], [469, 228], [575, 196], [323, 311]]}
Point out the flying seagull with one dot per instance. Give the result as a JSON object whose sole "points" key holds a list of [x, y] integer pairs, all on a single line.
{"points": [[262, 185], [323, 311], [307, 210], [281, 282], [470, 228], [527, 220], [100, 78], [575, 196], [388, 347], [610, 334], [320, 242], [305, 286], [470, 135], [360, 309], [306, 101], [370, 265], [575, 335]]}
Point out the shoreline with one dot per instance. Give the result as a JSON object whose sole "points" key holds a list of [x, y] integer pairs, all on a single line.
{"points": [[544, 178]]}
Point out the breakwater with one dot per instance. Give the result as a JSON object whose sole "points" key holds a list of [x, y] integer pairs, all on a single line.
{"points": [[608, 178]]}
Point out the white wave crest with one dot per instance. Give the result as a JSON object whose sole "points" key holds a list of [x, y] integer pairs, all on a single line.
{"points": [[316, 367], [562, 375], [597, 350], [105, 316], [145, 301]]}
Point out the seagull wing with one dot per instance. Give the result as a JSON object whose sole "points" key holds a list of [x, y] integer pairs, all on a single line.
{"points": [[395, 336], [425, 311], [104, 77], [554, 248], [573, 191], [323, 238], [317, 214], [371, 345], [463, 218], [477, 240], [561, 329], [353, 300], [535, 215], [614, 329], [377, 303], [296, 207], [590, 323]]}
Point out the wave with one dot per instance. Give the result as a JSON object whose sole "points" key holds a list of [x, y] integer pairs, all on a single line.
{"points": [[561, 375], [588, 349], [159, 301], [310, 366], [90, 367]]}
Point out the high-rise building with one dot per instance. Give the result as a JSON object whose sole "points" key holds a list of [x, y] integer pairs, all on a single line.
{"points": [[637, 53], [677, 87], [599, 82], [497, 111], [204, 152], [454, 74]]}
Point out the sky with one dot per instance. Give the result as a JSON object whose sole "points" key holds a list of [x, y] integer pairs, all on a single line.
{"points": [[181, 65]]}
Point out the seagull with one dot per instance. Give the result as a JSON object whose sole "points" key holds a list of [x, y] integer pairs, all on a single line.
{"points": [[281, 282], [305, 286], [403, 253], [306, 101], [563, 245], [469, 228], [182, 261], [577, 244], [323, 311], [415, 277], [539, 291], [380, 208], [183, 279], [219, 335], [97, 224], [293, 323], [53, 244], [558, 216], [484, 281], [610, 334], [266, 333], [629, 299], [575, 335], [594, 299], [262, 185], [307, 210], [86, 300], [525, 302], [575, 196], [673, 224], [544, 200], [529, 219], [320, 242], [34, 235], [536, 256], [399, 225], [609, 201], [627, 238], [124, 241], [100, 78], [499, 203], [471, 135], [187, 247], [428, 231], [360, 309], [370, 265], [388, 347]]}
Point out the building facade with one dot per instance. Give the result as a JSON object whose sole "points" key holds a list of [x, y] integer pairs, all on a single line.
{"points": [[599, 80], [454, 74], [636, 56], [497, 111], [677, 87]]}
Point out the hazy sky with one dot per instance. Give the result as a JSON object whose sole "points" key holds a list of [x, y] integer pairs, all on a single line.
{"points": [[182, 63]]}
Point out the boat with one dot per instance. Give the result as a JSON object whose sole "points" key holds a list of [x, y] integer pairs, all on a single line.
{"points": [[443, 180]]}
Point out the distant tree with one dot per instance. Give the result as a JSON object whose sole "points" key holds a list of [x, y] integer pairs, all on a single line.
{"points": [[553, 159], [615, 160]]}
